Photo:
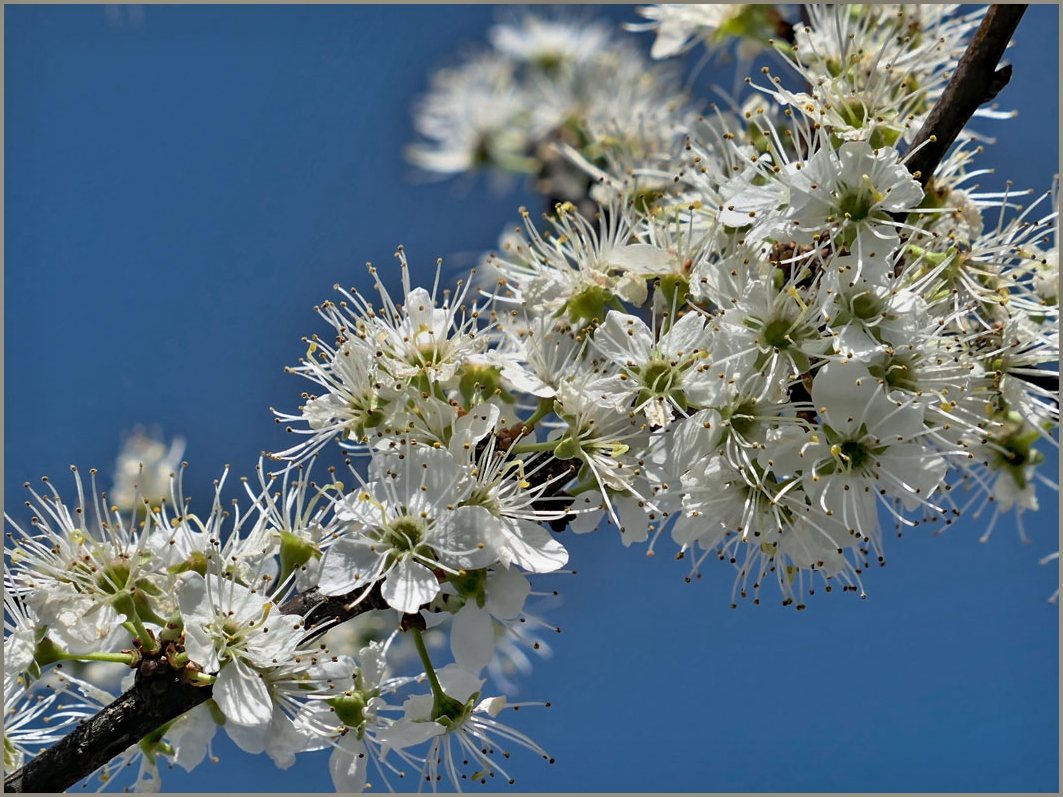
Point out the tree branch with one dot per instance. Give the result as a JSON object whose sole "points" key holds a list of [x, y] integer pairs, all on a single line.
{"points": [[976, 81], [149, 705]]}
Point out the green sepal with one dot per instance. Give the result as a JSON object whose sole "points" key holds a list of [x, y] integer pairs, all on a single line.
{"points": [[589, 305], [173, 629], [124, 603], [47, 652], [448, 711], [480, 382], [196, 562], [472, 584], [568, 447], [145, 607], [675, 290], [1018, 451], [295, 552], [216, 713]]}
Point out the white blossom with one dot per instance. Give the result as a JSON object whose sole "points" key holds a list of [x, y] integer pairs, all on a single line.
{"points": [[402, 526]]}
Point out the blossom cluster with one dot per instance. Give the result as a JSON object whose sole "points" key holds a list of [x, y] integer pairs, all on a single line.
{"points": [[768, 342], [208, 599], [543, 82]]}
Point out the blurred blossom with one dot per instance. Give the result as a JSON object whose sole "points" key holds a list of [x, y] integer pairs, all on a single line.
{"points": [[144, 468]]}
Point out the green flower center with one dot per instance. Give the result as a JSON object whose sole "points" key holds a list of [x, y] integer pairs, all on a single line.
{"points": [[231, 628], [855, 453], [404, 534], [743, 418], [866, 307], [777, 333], [658, 376], [899, 372], [114, 577], [856, 206]]}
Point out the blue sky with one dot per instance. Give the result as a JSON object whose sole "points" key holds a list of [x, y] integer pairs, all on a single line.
{"points": [[185, 183]]}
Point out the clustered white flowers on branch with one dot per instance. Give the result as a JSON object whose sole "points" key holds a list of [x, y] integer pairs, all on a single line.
{"points": [[768, 341]]}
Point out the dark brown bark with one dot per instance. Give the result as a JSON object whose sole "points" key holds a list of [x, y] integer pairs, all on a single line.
{"points": [[975, 82], [149, 705]]}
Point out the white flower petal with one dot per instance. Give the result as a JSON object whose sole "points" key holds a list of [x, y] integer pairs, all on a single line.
{"points": [[190, 735], [409, 586], [408, 733], [472, 637], [532, 547], [470, 537], [843, 391], [491, 706], [348, 764], [459, 683], [242, 696], [506, 592], [348, 564]]}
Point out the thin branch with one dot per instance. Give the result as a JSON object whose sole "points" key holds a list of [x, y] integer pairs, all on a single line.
{"points": [[321, 612], [976, 81]]}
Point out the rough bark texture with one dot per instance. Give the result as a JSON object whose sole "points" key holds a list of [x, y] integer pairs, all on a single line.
{"points": [[147, 706]]}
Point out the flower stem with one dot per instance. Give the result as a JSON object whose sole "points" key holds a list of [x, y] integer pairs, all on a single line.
{"points": [[119, 658], [138, 630], [422, 651], [546, 406], [200, 678]]}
